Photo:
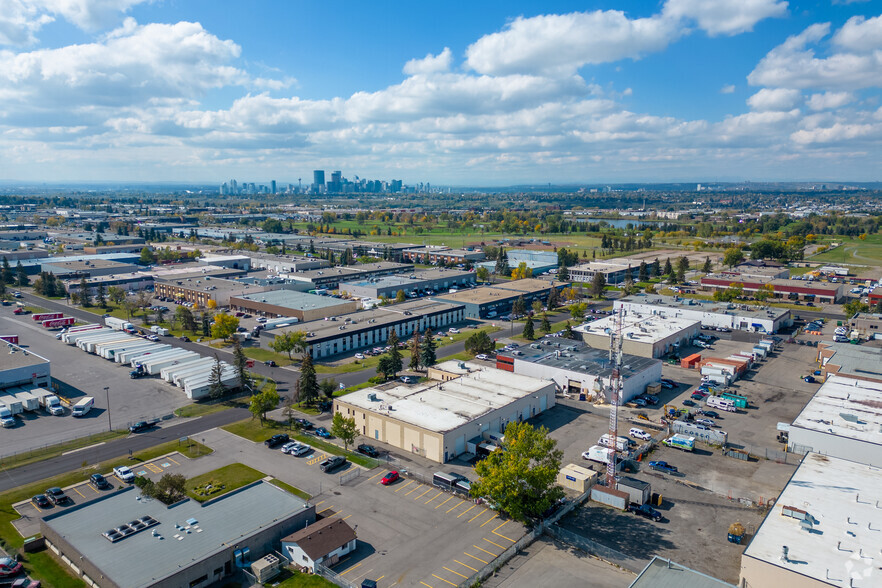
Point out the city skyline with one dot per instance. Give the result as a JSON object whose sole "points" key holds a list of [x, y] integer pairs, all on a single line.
{"points": [[488, 95]]}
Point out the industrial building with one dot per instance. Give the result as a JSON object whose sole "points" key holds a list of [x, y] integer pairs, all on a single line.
{"points": [[367, 328], [20, 367], [129, 282], [760, 268], [663, 573], [780, 289], [845, 359], [242, 262], [88, 268], [303, 306], [286, 264], [124, 540], [440, 254], [330, 278], [866, 324], [493, 301], [415, 284], [824, 529], [644, 334], [579, 370], [711, 314], [843, 419], [323, 542], [615, 271], [537, 261], [435, 419], [202, 288]]}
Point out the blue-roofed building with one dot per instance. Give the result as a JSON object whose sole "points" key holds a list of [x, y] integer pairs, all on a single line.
{"points": [[537, 261]]}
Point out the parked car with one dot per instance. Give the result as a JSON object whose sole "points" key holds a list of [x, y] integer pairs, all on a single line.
{"points": [[639, 434], [359, 356], [368, 450], [645, 510], [41, 501], [711, 414], [705, 422], [57, 496], [809, 379], [276, 440], [300, 449], [9, 567], [390, 478], [185, 339], [663, 466], [409, 379], [698, 395], [323, 433], [99, 482], [124, 473], [688, 402], [140, 426], [270, 363], [332, 463], [482, 356], [639, 401], [287, 447]]}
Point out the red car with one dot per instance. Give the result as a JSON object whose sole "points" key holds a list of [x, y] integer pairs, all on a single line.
{"points": [[389, 478], [10, 567]]}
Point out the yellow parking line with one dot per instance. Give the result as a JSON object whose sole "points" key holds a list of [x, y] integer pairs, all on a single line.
{"points": [[414, 489], [466, 565], [443, 503], [490, 519], [485, 551], [476, 516], [454, 507], [424, 584], [346, 517], [443, 580], [496, 544], [434, 497], [78, 492], [405, 486], [477, 558], [466, 510], [115, 478], [452, 572], [374, 476], [350, 569], [423, 494], [173, 461], [500, 534], [37, 507], [90, 487], [328, 508], [381, 577], [318, 503]]}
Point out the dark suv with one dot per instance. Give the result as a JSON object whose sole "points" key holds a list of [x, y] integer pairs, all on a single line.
{"points": [[57, 496], [644, 510], [368, 450], [99, 482], [276, 440], [332, 463]]}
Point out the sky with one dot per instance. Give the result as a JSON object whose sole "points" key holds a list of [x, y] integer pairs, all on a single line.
{"points": [[486, 93]]}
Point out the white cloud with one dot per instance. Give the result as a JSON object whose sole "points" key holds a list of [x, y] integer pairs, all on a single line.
{"points": [[725, 17], [793, 63], [860, 34], [829, 100], [777, 99], [430, 64], [561, 43], [728, 89], [20, 20]]}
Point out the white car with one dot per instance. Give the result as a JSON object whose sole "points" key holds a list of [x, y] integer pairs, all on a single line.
{"points": [[153, 338], [482, 356], [452, 331], [261, 319], [124, 473], [301, 449], [359, 356], [640, 434], [287, 447]]}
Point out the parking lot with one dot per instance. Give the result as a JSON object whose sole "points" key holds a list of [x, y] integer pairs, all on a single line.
{"points": [[81, 374]]}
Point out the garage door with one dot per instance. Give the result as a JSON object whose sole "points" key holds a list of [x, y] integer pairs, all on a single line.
{"points": [[543, 403], [459, 445]]}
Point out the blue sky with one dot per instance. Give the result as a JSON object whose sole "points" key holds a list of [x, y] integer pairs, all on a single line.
{"points": [[456, 93]]}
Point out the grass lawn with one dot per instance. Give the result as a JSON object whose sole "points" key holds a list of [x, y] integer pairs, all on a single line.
{"points": [[294, 579], [22, 459], [260, 354], [254, 430], [197, 409], [221, 481], [290, 488], [853, 251], [462, 356]]}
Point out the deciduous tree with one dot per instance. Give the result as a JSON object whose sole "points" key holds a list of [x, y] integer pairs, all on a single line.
{"points": [[344, 429], [224, 326]]}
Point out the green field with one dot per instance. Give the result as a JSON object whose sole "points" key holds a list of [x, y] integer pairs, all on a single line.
{"points": [[220, 481], [854, 251]]}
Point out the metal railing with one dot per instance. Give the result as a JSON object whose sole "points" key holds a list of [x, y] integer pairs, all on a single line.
{"points": [[331, 576]]}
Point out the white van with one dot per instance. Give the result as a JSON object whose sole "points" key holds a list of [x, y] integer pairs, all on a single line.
{"points": [[83, 407]]}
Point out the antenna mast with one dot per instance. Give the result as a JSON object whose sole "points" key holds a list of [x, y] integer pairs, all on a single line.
{"points": [[615, 389]]}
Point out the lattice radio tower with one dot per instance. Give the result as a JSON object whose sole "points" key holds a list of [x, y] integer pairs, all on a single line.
{"points": [[616, 384]]}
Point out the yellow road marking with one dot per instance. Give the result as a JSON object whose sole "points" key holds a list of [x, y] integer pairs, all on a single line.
{"points": [[405, 486], [500, 534], [443, 503], [37, 507], [443, 580], [318, 503], [173, 461], [346, 517], [424, 584], [381, 577], [433, 498], [350, 569], [466, 510], [454, 507], [485, 551], [414, 489], [115, 478], [477, 558], [466, 565], [374, 476], [90, 487], [490, 519], [496, 544], [423, 494], [457, 573], [153, 468], [477, 515], [328, 508], [78, 492]]}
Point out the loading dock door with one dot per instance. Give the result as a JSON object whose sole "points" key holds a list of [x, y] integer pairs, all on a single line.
{"points": [[459, 445], [543, 403]]}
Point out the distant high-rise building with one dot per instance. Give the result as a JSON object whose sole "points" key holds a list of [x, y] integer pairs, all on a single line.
{"points": [[273, 187], [318, 180]]}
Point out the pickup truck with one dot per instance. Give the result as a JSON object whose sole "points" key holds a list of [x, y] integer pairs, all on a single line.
{"points": [[332, 463], [645, 510]]}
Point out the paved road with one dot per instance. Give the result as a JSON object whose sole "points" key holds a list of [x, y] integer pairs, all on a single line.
{"points": [[65, 463]]}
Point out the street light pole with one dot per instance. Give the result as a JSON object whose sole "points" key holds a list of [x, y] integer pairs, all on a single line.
{"points": [[107, 394]]}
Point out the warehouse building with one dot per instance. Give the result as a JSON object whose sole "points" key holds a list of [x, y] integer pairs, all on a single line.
{"points": [[20, 367], [615, 271], [580, 370], [711, 314], [121, 540], [129, 282], [291, 303], [760, 268], [644, 334], [242, 262], [435, 419], [413, 285], [440, 254], [824, 529], [845, 359], [366, 328], [286, 264], [664, 573], [843, 419], [780, 289], [537, 261], [492, 301], [866, 323], [330, 278], [88, 268], [202, 288]]}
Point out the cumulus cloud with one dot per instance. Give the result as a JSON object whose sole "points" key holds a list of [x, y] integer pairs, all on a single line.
{"points": [[429, 64], [793, 64], [860, 34], [776, 99], [728, 89], [725, 17], [829, 100], [20, 20]]}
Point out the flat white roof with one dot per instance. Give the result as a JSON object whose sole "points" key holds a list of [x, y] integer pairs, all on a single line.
{"points": [[846, 407], [444, 406], [840, 500], [642, 327]]}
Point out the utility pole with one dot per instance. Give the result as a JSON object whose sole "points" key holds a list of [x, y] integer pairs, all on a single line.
{"points": [[107, 394], [615, 389]]}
